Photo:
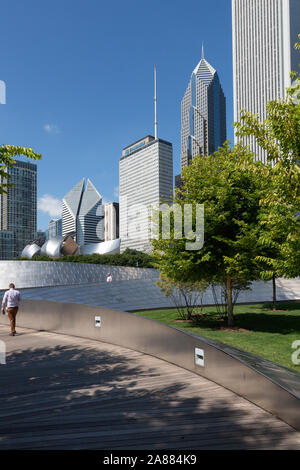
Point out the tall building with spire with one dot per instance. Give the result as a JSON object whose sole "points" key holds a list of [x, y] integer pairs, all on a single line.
{"points": [[263, 35], [203, 113], [146, 181]]}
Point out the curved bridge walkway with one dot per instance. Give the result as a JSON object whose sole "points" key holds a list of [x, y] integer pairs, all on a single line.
{"points": [[61, 392]]}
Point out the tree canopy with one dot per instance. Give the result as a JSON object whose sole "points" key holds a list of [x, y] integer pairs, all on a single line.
{"points": [[279, 136], [231, 185]]}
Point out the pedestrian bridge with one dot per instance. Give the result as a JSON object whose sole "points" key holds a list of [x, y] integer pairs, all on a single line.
{"points": [[64, 392], [86, 377]]}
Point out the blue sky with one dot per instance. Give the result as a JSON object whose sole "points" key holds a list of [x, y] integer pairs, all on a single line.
{"points": [[79, 81]]}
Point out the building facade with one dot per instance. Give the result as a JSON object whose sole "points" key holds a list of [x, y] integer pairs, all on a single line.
{"points": [[263, 35], [111, 221], [90, 220], [41, 237], [146, 180], [54, 228], [6, 245], [203, 113], [70, 208], [83, 214], [18, 208]]}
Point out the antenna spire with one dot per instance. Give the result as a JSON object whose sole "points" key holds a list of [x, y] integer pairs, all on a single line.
{"points": [[155, 105], [202, 50]]}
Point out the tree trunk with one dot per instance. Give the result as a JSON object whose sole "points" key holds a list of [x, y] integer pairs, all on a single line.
{"points": [[187, 304], [229, 302], [274, 292]]}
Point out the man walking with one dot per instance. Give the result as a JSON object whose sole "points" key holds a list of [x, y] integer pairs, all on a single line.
{"points": [[11, 300]]}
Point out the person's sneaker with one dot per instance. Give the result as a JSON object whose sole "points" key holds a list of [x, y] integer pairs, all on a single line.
{"points": [[11, 334]]}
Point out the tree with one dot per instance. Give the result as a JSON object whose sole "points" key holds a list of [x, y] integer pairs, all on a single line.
{"points": [[219, 292], [280, 224], [230, 184], [279, 133], [279, 136], [7, 154], [185, 295]]}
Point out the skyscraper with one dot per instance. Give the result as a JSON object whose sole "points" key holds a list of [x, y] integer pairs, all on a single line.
{"points": [[111, 221], [146, 179], [83, 214], [203, 113], [70, 208], [6, 245], [90, 220], [263, 34], [54, 228], [18, 208]]}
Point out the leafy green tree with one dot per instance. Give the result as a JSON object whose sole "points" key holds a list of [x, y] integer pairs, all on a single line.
{"points": [[230, 184], [186, 295], [7, 160], [279, 133], [279, 136], [279, 234], [280, 226]]}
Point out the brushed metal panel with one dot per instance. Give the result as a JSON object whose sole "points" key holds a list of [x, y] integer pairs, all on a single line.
{"points": [[51, 273], [31, 250], [102, 248], [52, 247]]}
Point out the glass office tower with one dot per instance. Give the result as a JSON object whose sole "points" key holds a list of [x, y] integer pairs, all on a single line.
{"points": [[54, 228], [18, 208], [203, 113]]}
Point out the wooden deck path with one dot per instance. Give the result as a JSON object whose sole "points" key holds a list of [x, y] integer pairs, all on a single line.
{"points": [[61, 392]]}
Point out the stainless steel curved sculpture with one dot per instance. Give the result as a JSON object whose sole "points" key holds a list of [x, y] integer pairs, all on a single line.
{"points": [[55, 248], [52, 247], [103, 248], [30, 251]]}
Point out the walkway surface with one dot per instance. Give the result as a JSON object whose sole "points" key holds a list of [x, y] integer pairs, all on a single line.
{"points": [[61, 392]]}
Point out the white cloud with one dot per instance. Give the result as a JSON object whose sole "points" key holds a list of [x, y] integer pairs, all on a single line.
{"points": [[51, 129], [50, 205]]}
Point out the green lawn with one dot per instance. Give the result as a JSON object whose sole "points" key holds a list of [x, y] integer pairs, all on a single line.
{"points": [[257, 329]]}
